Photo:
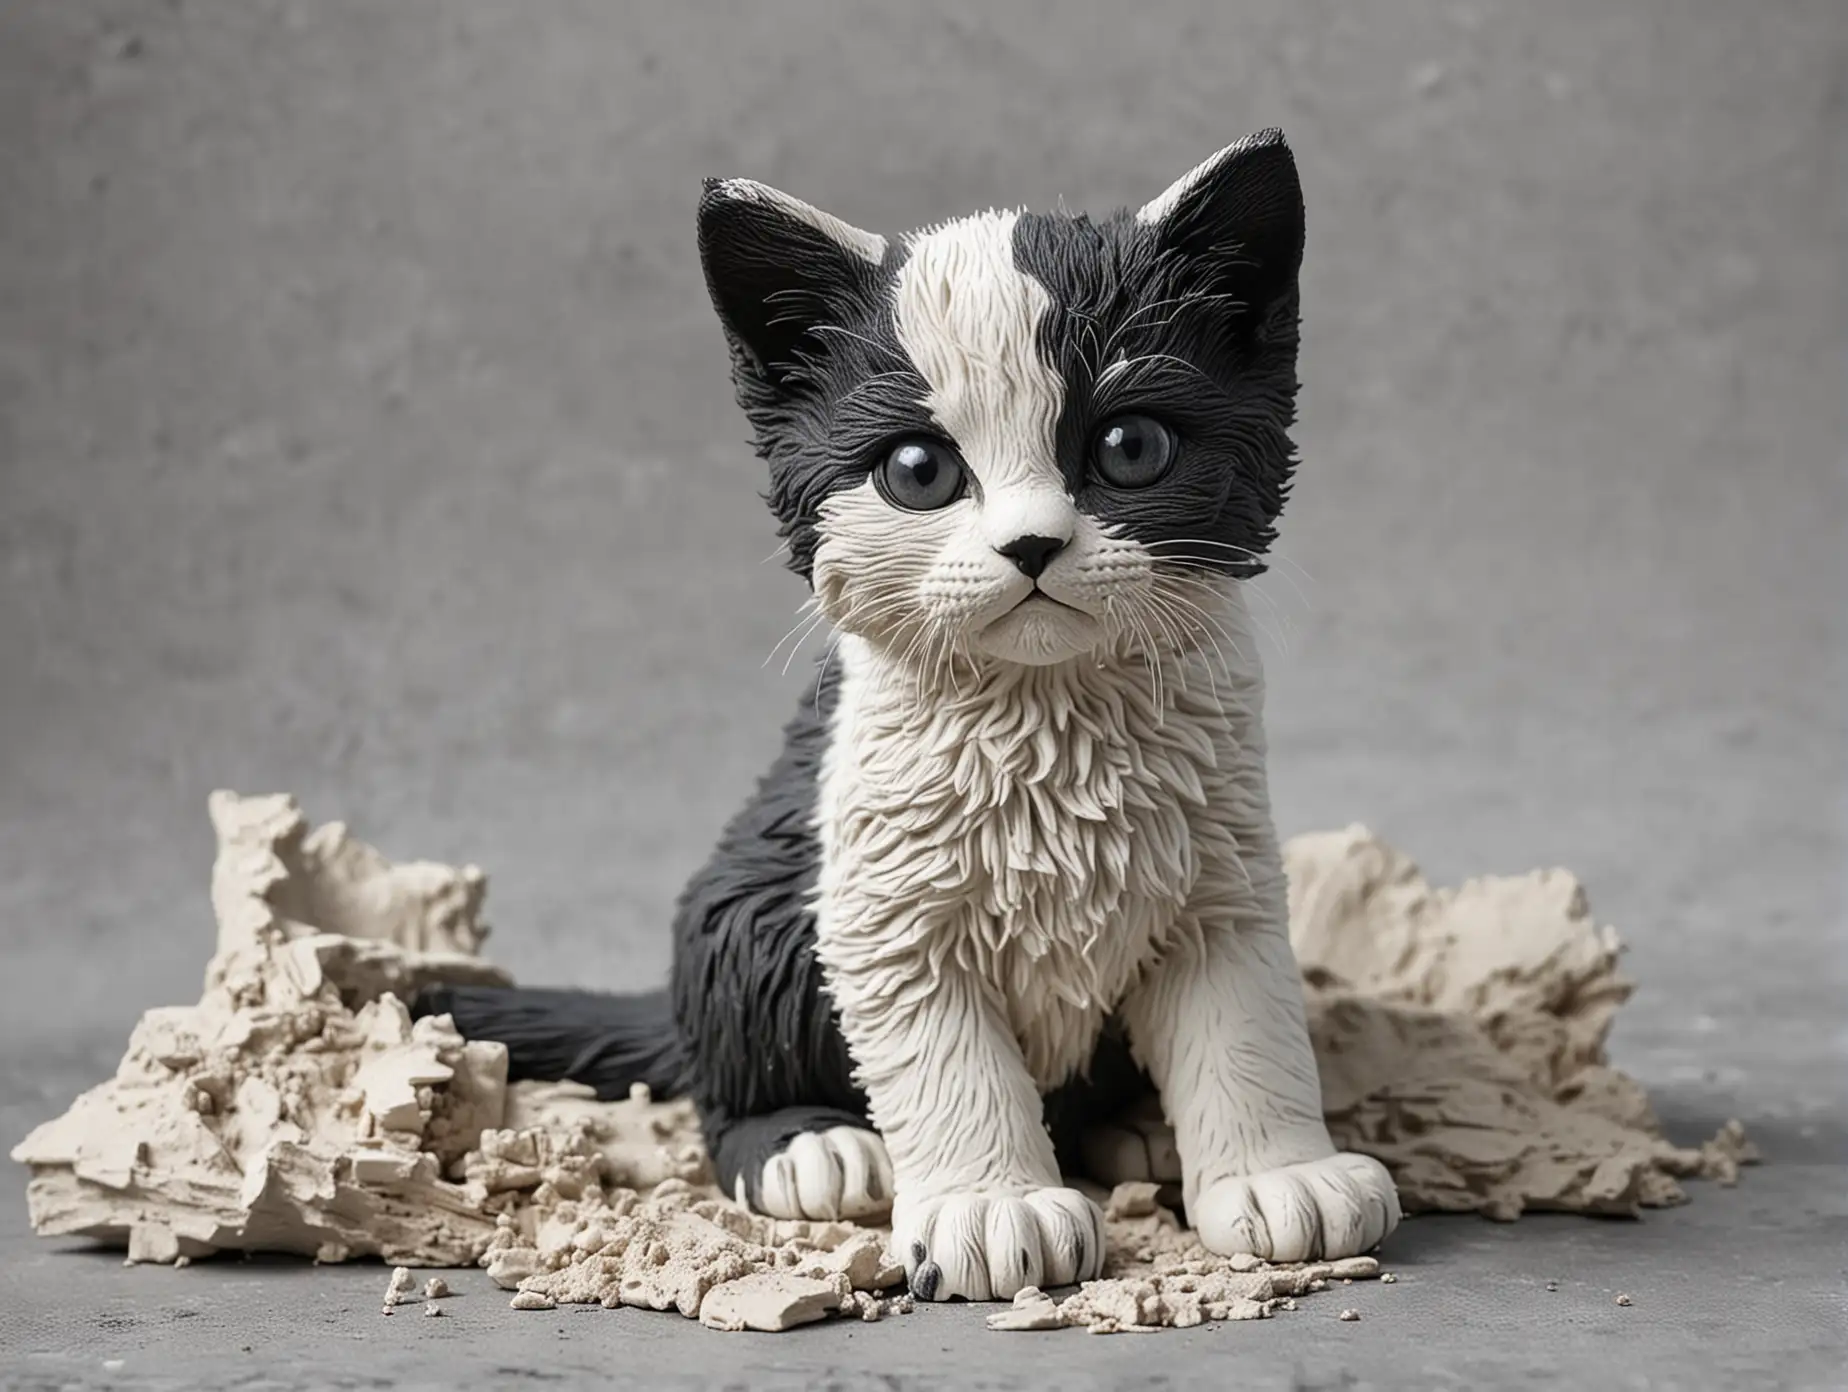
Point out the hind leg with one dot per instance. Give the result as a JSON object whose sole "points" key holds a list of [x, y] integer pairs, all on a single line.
{"points": [[802, 1162], [1137, 1144], [1108, 1125]]}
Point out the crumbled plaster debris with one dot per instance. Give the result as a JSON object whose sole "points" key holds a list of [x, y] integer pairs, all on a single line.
{"points": [[298, 1108], [432, 1310], [1625, 1300], [1156, 1275], [1349, 1315], [1461, 1038]]}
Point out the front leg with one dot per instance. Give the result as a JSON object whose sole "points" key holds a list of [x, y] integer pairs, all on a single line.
{"points": [[1220, 1025], [979, 1210]]}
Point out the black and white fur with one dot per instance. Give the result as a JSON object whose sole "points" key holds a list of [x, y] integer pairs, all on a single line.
{"points": [[1011, 894]]}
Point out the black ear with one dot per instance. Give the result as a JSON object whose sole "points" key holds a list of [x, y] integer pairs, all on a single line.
{"points": [[1238, 218], [777, 268]]}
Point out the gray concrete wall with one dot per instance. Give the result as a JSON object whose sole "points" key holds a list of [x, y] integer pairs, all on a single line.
{"points": [[364, 432]]}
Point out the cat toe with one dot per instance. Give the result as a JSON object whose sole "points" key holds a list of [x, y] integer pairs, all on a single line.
{"points": [[843, 1172], [1338, 1206]]}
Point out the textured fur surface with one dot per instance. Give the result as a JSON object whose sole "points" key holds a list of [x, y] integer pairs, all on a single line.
{"points": [[1011, 895]]}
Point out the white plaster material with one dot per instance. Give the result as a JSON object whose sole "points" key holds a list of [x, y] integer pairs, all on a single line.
{"points": [[294, 1108], [771, 1301], [1460, 1036]]}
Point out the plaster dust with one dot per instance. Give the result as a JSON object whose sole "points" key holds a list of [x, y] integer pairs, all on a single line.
{"points": [[298, 1108]]}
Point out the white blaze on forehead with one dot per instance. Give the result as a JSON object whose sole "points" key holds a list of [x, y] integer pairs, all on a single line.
{"points": [[970, 320], [869, 246]]}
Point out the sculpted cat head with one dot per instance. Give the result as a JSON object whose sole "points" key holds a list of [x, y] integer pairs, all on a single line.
{"points": [[1021, 437]]}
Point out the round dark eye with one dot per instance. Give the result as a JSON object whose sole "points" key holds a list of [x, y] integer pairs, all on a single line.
{"points": [[1133, 451], [920, 476]]}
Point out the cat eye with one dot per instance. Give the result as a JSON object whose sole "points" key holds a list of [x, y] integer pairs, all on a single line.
{"points": [[1133, 451], [920, 476]]}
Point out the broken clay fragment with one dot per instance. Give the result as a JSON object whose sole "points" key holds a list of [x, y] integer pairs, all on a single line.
{"points": [[1032, 1309], [770, 1301]]}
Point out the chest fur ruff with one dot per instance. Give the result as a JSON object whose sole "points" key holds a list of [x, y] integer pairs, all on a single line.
{"points": [[1042, 830]]}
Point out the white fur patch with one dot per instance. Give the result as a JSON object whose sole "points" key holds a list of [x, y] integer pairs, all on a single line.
{"points": [[869, 246], [1332, 1206], [989, 1246], [969, 320], [1004, 848]]}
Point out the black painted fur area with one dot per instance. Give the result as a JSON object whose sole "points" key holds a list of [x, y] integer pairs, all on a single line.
{"points": [[1202, 311], [745, 1028], [749, 1000], [816, 361], [608, 1042]]}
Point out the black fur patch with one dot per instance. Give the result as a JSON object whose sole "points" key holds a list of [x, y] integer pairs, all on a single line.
{"points": [[1203, 308], [749, 1001], [1112, 1083], [608, 1042], [816, 359]]}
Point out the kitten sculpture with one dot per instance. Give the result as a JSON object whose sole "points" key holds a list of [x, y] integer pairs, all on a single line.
{"points": [[1011, 894]]}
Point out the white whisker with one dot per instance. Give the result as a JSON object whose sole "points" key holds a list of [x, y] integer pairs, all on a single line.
{"points": [[1179, 302], [807, 612], [814, 624], [849, 333]]}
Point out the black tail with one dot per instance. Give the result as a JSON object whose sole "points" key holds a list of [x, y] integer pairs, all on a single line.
{"points": [[609, 1042]]}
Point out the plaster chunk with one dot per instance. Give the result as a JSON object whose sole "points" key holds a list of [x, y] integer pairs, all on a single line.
{"points": [[1032, 1309], [768, 1301]]}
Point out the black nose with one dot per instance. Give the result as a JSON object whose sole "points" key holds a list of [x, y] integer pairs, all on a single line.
{"points": [[1032, 554]]}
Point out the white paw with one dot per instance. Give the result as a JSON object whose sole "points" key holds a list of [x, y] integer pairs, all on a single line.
{"points": [[1136, 1146], [1340, 1206], [989, 1246], [842, 1172]]}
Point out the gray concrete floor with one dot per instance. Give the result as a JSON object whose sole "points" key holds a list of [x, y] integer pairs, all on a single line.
{"points": [[364, 433]]}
